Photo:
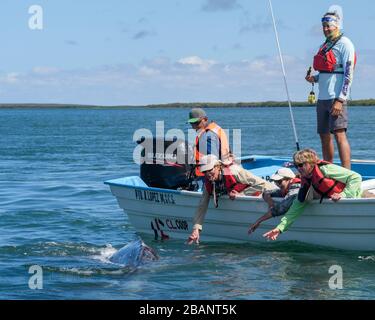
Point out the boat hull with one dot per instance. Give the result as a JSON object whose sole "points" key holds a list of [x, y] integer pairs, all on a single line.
{"points": [[347, 224]]}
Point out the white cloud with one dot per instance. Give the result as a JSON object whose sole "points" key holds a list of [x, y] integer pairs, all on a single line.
{"points": [[163, 80], [10, 78], [258, 66], [43, 70], [147, 71], [203, 65]]}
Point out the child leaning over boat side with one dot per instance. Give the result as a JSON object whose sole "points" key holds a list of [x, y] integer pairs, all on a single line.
{"points": [[230, 179], [288, 187], [321, 179]]}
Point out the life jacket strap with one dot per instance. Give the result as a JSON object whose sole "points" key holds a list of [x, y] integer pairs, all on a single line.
{"points": [[326, 49], [338, 72]]}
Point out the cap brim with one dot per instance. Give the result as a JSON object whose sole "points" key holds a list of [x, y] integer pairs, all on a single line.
{"points": [[193, 120], [276, 177], [205, 168]]}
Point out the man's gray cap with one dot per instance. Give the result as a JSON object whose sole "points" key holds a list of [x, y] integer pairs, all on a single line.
{"points": [[196, 115]]}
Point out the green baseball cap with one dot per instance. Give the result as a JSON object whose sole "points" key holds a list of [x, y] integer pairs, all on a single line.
{"points": [[196, 115]]}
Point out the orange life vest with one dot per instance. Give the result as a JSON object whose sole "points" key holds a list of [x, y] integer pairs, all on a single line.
{"points": [[322, 185], [325, 60], [224, 145], [230, 183]]}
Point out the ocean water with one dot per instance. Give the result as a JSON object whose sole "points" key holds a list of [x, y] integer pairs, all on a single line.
{"points": [[56, 212]]}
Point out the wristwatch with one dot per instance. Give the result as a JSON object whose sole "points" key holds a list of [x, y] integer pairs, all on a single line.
{"points": [[339, 100]]}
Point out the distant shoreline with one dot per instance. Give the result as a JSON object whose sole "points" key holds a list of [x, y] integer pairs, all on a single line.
{"points": [[272, 104]]}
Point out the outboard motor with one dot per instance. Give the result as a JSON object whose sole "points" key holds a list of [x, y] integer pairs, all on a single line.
{"points": [[169, 166]]}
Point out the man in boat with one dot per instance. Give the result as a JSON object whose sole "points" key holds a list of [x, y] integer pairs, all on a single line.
{"points": [[211, 139], [335, 62], [288, 186], [219, 178], [319, 179]]}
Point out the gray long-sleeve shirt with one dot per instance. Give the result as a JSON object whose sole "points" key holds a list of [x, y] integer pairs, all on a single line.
{"points": [[281, 207]]}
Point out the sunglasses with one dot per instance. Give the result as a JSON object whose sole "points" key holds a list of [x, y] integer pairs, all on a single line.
{"points": [[196, 123], [329, 19], [299, 165]]}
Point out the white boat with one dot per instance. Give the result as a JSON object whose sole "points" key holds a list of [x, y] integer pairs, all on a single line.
{"points": [[166, 213]]}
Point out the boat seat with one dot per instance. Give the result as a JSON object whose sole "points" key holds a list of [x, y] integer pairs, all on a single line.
{"points": [[368, 185]]}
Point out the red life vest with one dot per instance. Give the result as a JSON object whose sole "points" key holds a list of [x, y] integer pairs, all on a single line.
{"points": [[325, 60], [294, 181], [230, 183], [322, 185]]}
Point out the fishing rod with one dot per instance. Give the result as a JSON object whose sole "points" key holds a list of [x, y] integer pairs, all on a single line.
{"points": [[285, 82]]}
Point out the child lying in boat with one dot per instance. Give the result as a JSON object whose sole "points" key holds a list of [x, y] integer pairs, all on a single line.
{"points": [[319, 179], [219, 179], [288, 187]]}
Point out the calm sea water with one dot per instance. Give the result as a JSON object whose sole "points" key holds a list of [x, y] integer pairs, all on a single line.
{"points": [[57, 213]]}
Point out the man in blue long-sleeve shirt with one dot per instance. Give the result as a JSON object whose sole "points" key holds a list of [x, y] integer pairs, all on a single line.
{"points": [[335, 62]]}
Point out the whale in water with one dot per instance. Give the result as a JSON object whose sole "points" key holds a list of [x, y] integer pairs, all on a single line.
{"points": [[134, 254]]}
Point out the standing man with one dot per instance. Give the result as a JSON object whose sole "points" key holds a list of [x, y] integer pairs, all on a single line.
{"points": [[211, 139], [335, 62]]}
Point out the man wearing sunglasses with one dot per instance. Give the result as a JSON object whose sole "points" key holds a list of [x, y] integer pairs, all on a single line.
{"points": [[288, 186], [211, 139], [335, 62]]}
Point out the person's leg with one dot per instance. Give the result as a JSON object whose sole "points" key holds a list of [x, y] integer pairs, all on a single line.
{"points": [[338, 126], [323, 108], [327, 146], [344, 147]]}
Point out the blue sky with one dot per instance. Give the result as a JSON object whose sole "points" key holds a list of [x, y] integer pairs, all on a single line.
{"points": [[147, 51]]}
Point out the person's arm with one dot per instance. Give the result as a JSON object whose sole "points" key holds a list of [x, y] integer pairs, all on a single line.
{"points": [[274, 193], [269, 194], [198, 219], [246, 177], [352, 179], [292, 214], [348, 56], [312, 79], [201, 211], [255, 225]]}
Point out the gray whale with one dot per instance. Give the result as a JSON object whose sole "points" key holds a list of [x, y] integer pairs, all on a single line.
{"points": [[134, 254]]}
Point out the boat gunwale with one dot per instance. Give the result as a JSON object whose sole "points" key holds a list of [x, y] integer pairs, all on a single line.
{"points": [[238, 198]]}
